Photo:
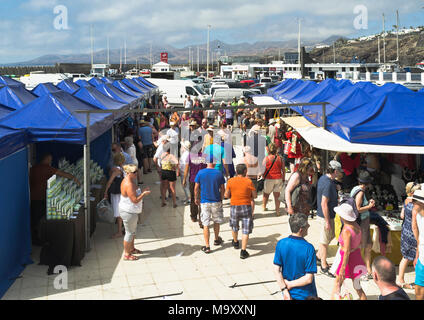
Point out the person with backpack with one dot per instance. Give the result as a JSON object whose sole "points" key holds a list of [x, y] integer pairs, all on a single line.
{"points": [[300, 186], [351, 260], [364, 206]]}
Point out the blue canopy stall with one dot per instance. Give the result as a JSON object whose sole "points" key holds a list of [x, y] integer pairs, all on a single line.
{"points": [[68, 86], [146, 82], [15, 97], [82, 83], [7, 81], [135, 86], [95, 81], [393, 119], [44, 88], [15, 234], [98, 99], [53, 119], [112, 92], [290, 95], [4, 111], [121, 86], [107, 80], [280, 86]]}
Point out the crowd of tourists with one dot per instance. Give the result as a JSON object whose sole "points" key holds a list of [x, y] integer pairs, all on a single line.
{"points": [[194, 148]]}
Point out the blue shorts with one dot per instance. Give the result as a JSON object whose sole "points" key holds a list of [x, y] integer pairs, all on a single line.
{"points": [[419, 274]]}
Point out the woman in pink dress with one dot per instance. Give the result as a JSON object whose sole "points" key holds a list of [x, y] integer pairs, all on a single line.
{"points": [[351, 264]]}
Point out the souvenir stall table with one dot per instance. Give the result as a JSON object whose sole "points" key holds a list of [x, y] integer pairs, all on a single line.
{"points": [[63, 231]]}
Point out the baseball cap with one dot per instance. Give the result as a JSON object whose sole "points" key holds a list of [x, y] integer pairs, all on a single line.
{"points": [[335, 165]]}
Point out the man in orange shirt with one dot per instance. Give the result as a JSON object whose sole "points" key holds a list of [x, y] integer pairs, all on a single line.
{"points": [[242, 193]]}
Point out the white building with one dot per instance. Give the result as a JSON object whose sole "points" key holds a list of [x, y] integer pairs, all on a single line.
{"points": [[161, 67]]}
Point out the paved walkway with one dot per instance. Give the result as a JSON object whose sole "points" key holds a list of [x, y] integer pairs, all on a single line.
{"points": [[172, 261]]}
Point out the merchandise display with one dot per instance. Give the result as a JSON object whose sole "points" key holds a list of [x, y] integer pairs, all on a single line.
{"points": [[64, 196]]}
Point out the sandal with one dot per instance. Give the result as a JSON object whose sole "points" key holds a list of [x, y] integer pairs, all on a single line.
{"points": [[136, 251], [130, 257], [206, 249], [163, 205], [218, 242]]}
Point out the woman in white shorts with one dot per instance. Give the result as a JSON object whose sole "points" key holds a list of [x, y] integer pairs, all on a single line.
{"points": [[274, 177], [130, 206]]}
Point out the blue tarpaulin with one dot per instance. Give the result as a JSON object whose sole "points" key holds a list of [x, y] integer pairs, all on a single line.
{"points": [[391, 87], [107, 80], [134, 86], [44, 88], [393, 119], [82, 83], [143, 84], [96, 98], [15, 233], [110, 91], [119, 85], [294, 84], [367, 86], [7, 81], [68, 85], [290, 95], [15, 97], [4, 111], [146, 82], [95, 81], [52, 117], [280, 86]]}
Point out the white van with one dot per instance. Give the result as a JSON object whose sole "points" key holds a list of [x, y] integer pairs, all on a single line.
{"points": [[176, 91], [36, 77]]}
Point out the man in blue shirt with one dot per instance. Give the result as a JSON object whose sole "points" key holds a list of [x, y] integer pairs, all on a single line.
{"points": [[215, 153], [327, 200], [146, 135], [295, 262], [209, 192]]}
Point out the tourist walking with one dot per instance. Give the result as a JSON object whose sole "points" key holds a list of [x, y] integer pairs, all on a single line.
{"points": [[169, 173], [242, 193], [116, 175], [295, 262], [209, 193], [274, 178], [145, 133], [350, 252], [418, 228], [327, 200], [130, 207], [183, 162], [408, 243], [300, 182], [364, 206]]}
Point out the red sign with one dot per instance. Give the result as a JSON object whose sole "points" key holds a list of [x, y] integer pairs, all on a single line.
{"points": [[164, 57], [272, 69]]}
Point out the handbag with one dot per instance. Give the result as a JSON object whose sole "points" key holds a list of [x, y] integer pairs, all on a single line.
{"points": [[105, 212], [261, 182]]}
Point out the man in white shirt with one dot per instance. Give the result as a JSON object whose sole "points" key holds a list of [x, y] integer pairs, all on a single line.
{"points": [[188, 103], [272, 130]]}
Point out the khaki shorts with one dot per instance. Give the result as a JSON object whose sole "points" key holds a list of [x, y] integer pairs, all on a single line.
{"points": [[365, 233], [211, 211], [326, 235], [272, 185]]}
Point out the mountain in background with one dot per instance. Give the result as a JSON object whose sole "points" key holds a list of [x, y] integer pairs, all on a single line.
{"points": [[175, 55]]}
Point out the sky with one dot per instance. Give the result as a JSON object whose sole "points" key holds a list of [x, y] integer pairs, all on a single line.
{"points": [[32, 28]]}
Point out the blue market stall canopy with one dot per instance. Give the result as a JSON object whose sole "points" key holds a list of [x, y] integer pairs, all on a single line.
{"points": [[391, 87], [68, 85], [143, 85], [393, 119], [83, 83], [147, 83], [15, 97], [112, 92], [52, 117], [11, 141], [290, 96], [95, 81], [7, 81], [280, 86], [44, 88], [119, 85], [134, 86], [107, 80], [4, 111], [96, 98]]}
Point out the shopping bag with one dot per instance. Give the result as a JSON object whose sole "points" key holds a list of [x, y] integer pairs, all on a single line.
{"points": [[105, 212]]}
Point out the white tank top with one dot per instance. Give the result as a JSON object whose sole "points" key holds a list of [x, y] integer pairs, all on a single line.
{"points": [[125, 204], [420, 225]]}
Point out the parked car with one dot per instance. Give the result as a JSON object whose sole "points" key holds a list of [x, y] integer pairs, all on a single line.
{"points": [[226, 95]]}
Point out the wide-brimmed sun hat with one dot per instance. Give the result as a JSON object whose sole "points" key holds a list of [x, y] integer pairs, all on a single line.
{"points": [[418, 196], [365, 177], [193, 123], [346, 212]]}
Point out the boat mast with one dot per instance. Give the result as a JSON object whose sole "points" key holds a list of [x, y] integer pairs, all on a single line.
{"points": [[384, 40], [397, 36], [207, 55], [92, 45], [378, 42], [108, 55]]}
